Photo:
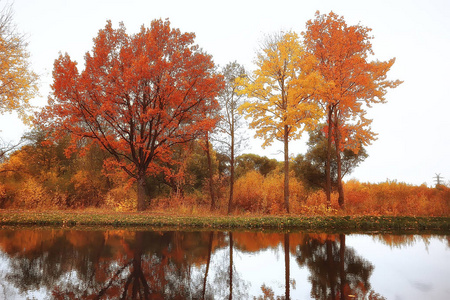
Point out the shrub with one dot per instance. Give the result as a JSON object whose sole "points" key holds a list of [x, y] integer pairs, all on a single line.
{"points": [[396, 198], [34, 195], [122, 198], [265, 194]]}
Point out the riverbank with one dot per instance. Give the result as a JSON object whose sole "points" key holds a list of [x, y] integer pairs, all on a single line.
{"points": [[220, 222]]}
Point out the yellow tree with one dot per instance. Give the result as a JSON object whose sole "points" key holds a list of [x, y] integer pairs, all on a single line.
{"points": [[352, 83], [18, 83], [280, 92]]}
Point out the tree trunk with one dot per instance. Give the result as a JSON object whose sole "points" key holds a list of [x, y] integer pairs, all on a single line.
{"points": [[286, 168], [230, 200], [210, 174], [337, 140], [339, 179], [328, 164], [141, 192]]}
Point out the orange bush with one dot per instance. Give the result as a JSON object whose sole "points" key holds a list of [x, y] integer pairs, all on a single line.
{"points": [[256, 193], [121, 198], [396, 198], [248, 191], [34, 195], [264, 194]]}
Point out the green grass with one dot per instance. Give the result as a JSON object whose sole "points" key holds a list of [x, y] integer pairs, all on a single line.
{"points": [[152, 220]]}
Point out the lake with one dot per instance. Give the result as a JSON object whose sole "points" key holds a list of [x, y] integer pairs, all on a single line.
{"points": [[40, 263]]}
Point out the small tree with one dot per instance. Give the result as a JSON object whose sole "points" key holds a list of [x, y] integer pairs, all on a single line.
{"points": [[282, 87], [230, 119]]}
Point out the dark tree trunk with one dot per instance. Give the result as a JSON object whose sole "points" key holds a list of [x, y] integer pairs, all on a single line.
{"points": [[211, 235], [328, 163], [337, 139], [287, 266], [141, 193], [286, 168], [339, 179], [343, 276], [139, 286], [230, 200], [210, 173], [331, 270]]}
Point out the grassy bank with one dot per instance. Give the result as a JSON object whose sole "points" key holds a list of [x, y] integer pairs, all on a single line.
{"points": [[155, 220]]}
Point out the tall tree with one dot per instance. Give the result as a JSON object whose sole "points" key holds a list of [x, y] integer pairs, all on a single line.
{"points": [[231, 121], [138, 96], [282, 87], [18, 83], [352, 82]]}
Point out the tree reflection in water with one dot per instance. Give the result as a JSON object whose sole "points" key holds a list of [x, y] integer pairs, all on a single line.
{"points": [[336, 272], [108, 265], [173, 265]]}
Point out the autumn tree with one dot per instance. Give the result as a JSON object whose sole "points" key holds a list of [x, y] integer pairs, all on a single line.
{"points": [[352, 83], [18, 83], [138, 96], [231, 120], [281, 86]]}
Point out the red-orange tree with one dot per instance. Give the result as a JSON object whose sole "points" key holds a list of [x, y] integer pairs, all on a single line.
{"points": [[138, 96], [352, 83]]}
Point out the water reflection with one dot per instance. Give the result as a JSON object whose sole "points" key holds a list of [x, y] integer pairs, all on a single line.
{"points": [[70, 264]]}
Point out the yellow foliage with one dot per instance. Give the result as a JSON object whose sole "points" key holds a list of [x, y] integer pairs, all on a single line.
{"points": [[255, 193], [122, 198], [18, 81], [34, 195], [3, 194], [281, 86], [396, 198], [248, 191], [88, 188]]}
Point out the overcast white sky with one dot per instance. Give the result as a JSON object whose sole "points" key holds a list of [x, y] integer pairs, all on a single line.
{"points": [[414, 140]]}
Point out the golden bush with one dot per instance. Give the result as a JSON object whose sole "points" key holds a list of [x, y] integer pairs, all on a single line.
{"points": [[122, 198]]}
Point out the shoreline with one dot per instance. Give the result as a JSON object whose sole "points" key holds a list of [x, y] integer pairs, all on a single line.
{"points": [[158, 221]]}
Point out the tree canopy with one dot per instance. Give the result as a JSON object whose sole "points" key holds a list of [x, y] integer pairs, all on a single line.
{"points": [[138, 96], [352, 83], [282, 86], [18, 83]]}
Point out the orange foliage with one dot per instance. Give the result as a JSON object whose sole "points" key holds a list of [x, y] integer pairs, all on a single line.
{"points": [[137, 97], [256, 241], [259, 194], [351, 80], [264, 194], [396, 198]]}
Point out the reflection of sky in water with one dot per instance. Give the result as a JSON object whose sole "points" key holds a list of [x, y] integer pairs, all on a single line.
{"points": [[9, 291], [419, 269], [267, 267]]}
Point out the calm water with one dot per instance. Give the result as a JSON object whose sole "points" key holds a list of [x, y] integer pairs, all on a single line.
{"points": [[71, 264]]}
